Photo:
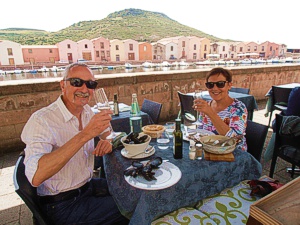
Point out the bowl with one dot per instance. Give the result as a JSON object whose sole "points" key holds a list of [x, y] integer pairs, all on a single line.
{"points": [[135, 149], [207, 142], [153, 130]]}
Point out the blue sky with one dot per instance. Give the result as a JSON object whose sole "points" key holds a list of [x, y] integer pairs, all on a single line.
{"points": [[255, 20]]}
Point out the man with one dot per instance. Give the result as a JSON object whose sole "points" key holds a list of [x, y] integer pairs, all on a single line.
{"points": [[59, 154]]}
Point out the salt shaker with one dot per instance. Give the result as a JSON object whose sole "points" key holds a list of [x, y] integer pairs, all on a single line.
{"points": [[199, 150]]}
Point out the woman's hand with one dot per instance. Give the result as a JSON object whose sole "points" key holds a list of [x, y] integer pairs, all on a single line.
{"points": [[201, 105], [103, 147]]}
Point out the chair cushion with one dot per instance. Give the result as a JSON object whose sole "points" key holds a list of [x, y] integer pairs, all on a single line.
{"points": [[232, 205], [187, 215], [293, 107]]}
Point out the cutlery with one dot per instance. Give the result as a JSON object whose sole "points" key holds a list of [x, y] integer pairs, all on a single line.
{"points": [[148, 150]]}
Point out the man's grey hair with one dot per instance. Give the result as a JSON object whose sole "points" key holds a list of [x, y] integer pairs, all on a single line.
{"points": [[69, 67]]}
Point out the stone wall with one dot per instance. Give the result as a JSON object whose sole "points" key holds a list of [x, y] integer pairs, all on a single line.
{"points": [[19, 99]]}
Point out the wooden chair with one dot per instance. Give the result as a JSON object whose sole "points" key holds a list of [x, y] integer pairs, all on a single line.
{"points": [[153, 109], [28, 193], [280, 98], [240, 90], [287, 147], [256, 134]]}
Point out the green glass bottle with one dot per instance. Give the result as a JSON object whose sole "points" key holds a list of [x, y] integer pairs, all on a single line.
{"points": [[177, 140], [116, 105]]}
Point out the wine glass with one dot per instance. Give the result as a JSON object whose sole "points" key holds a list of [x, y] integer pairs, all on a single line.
{"points": [[197, 95], [103, 104]]}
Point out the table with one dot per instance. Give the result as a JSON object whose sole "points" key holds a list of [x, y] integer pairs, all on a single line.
{"points": [[247, 99], [200, 179], [121, 123]]}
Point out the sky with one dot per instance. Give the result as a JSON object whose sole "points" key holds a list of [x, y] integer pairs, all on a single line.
{"points": [[255, 20]]}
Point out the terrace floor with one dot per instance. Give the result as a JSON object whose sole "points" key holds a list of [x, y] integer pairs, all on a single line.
{"points": [[14, 211]]}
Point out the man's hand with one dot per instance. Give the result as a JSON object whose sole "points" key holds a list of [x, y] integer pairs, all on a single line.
{"points": [[103, 147]]}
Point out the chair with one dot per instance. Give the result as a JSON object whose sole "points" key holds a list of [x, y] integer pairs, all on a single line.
{"points": [[28, 193], [186, 107], [153, 109], [287, 147], [240, 90], [256, 134], [280, 98]]}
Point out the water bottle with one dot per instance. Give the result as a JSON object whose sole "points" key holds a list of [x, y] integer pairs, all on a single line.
{"points": [[135, 115]]}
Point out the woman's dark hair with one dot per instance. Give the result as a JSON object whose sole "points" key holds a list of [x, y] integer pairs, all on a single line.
{"points": [[219, 70]]}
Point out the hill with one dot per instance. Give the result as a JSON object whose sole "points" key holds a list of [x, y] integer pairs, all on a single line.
{"points": [[136, 24]]}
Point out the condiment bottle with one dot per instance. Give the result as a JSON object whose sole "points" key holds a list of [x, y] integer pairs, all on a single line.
{"points": [[177, 140], [116, 105]]}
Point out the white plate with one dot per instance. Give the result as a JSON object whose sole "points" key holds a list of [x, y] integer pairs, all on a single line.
{"points": [[202, 132], [167, 175], [139, 156]]}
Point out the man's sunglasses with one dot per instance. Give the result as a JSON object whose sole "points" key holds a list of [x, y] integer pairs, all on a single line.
{"points": [[220, 84], [77, 82]]}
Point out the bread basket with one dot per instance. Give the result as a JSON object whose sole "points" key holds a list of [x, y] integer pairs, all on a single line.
{"points": [[153, 130], [207, 142]]}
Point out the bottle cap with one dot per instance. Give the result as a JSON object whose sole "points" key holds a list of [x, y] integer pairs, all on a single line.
{"points": [[134, 95]]}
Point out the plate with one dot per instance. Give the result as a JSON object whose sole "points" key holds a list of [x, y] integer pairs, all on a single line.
{"points": [[139, 156], [167, 175], [200, 132]]}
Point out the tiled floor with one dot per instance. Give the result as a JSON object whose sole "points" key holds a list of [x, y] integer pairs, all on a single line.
{"points": [[13, 210]]}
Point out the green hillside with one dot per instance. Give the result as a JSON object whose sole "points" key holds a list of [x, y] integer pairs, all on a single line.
{"points": [[136, 24]]}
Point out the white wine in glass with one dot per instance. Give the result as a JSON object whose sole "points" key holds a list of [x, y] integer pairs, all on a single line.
{"points": [[103, 104]]}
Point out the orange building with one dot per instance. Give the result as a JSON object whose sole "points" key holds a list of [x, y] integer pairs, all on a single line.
{"points": [[145, 51], [40, 54]]}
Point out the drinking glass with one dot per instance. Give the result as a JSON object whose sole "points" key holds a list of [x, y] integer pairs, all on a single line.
{"points": [[197, 95], [163, 140], [103, 104], [170, 127]]}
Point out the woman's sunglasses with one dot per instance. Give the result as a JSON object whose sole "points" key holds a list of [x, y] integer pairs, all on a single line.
{"points": [[77, 82], [220, 84]]}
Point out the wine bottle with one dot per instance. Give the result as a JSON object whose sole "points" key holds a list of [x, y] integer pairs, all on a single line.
{"points": [[135, 115], [177, 140], [116, 105]]}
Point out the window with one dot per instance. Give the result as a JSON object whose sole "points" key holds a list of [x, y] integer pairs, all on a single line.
{"points": [[263, 48], [85, 46], [108, 53], [248, 48], [9, 51], [117, 47], [215, 49], [145, 48], [97, 54], [172, 48], [270, 48], [68, 46], [50, 51], [194, 55], [102, 55], [205, 47], [223, 48], [232, 48], [195, 47], [183, 43], [255, 48], [131, 47], [29, 50], [101, 44], [241, 49]]}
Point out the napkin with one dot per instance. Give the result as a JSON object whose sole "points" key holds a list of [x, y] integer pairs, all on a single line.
{"points": [[123, 107]]}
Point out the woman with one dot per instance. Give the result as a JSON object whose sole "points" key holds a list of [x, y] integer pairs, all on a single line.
{"points": [[222, 115]]}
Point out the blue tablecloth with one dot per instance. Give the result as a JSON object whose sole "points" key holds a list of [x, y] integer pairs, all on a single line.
{"points": [[200, 179], [121, 123], [248, 100]]}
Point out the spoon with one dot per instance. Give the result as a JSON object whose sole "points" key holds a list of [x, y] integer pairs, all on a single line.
{"points": [[148, 150]]}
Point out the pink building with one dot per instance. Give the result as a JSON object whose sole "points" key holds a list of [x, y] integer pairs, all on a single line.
{"points": [[101, 49], [131, 50], [40, 53], [68, 51]]}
